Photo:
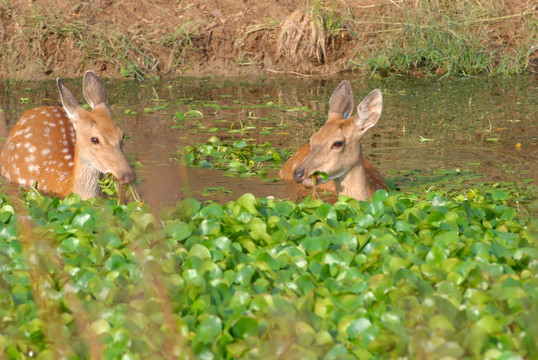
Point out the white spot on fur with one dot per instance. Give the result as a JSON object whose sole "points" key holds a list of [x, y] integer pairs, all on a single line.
{"points": [[29, 158], [31, 148]]}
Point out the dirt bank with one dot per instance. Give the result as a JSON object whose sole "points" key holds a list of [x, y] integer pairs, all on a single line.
{"points": [[42, 39]]}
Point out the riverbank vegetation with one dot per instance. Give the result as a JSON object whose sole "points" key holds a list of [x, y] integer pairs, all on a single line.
{"points": [[318, 37]]}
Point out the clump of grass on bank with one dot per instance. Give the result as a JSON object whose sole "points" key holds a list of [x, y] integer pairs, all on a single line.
{"points": [[307, 33], [462, 37]]}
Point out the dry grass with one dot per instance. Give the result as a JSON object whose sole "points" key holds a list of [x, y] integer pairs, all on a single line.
{"points": [[42, 39], [302, 38]]}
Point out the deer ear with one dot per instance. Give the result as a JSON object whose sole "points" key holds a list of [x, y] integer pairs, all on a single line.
{"points": [[94, 90], [69, 101], [369, 110], [341, 101]]}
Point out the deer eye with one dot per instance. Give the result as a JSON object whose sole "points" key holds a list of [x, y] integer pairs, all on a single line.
{"points": [[337, 145], [95, 140]]}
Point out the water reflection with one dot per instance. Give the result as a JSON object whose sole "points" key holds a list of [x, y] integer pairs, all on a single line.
{"points": [[426, 124]]}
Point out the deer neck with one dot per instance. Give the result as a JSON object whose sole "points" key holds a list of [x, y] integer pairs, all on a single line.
{"points": [[84, 178], [354, 182]]}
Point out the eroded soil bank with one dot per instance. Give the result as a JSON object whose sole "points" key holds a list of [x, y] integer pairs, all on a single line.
{"points": [[45, 39]]}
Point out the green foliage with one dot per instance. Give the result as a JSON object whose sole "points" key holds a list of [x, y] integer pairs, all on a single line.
{"points": [[452, 41], [258, 278], [114, 189], [237, 159], [431, 50]]}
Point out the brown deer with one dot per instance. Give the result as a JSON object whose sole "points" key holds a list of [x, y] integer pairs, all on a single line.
{"points": [[336, 149], [66, 150]]}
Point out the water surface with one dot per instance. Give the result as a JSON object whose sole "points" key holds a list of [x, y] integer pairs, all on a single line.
{"points": [[487, 126]]}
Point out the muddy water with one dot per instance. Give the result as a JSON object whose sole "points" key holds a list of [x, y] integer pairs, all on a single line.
{"points": [[488, 126]]}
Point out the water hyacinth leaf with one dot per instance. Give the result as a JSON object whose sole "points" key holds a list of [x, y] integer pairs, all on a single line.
{"points": [[209, 329], [248, 202], [314, 244], [305, 283], [214, 210], [436, 256], [210, 227], [489, 325], [245, 327], [82, 219], [200, 251], [338, 351], [346, 239], [100, 326], [357, 327], [179, 230], [375, 208], [446, 238], [257, 229], [435, 218], [144, 220], [244, 275], [365, 221], [188, 208], [8, 231], [497, 195], [269, 263], [110, 240], [380, 195]]}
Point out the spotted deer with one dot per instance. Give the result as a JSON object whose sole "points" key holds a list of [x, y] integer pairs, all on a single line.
{"points": [[66, 150], [336, 149]]}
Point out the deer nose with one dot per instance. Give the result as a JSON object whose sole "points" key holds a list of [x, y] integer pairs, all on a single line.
{"points": [[128, 178], [298, 175]]}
